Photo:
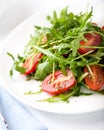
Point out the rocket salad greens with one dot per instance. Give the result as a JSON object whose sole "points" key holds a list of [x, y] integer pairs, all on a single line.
{"points": [[66, 56]]}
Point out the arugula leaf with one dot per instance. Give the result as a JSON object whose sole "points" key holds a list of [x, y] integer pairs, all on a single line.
{"points": [[9, 54], [43, 69], [16, 63]]}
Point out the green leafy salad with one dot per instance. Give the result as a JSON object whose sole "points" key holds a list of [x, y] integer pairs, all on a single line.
{"points": [[66, 56]]}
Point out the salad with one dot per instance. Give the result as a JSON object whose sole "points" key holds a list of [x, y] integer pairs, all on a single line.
{"points": [[66, 56]]}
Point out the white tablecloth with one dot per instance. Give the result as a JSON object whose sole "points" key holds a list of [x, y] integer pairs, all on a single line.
{"points": [[18, 10]]}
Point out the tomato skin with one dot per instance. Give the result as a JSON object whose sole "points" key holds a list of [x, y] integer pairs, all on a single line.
{"points": [[95, 24], [95, 82], [31, 63], [44, 40], [102, 28], [93, 40], [60, 84]]}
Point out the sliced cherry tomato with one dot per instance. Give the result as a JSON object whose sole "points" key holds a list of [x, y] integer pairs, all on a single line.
{"points": [[44, 39], [31, 63], [93, 40], [95, 81], [102, 28], [95, 24], [58, 83]]}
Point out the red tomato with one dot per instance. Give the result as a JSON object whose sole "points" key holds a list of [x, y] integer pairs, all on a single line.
{"points": [[44, 39], [95, 24], [31, 63], [58, 83], [93, 40], [96, 80], [102, 28]]}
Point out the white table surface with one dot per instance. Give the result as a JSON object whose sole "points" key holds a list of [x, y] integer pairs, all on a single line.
{"points": [[17, 11]]}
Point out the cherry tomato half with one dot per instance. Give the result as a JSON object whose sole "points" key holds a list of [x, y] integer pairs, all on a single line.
{"points": [[96, 80], [44, 39], [58, 83], [102, 28], [93, 40], [31, 63], [95, 24]]}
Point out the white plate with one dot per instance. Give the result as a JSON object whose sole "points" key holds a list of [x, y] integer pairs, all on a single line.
{"points": [[18, 85]]}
